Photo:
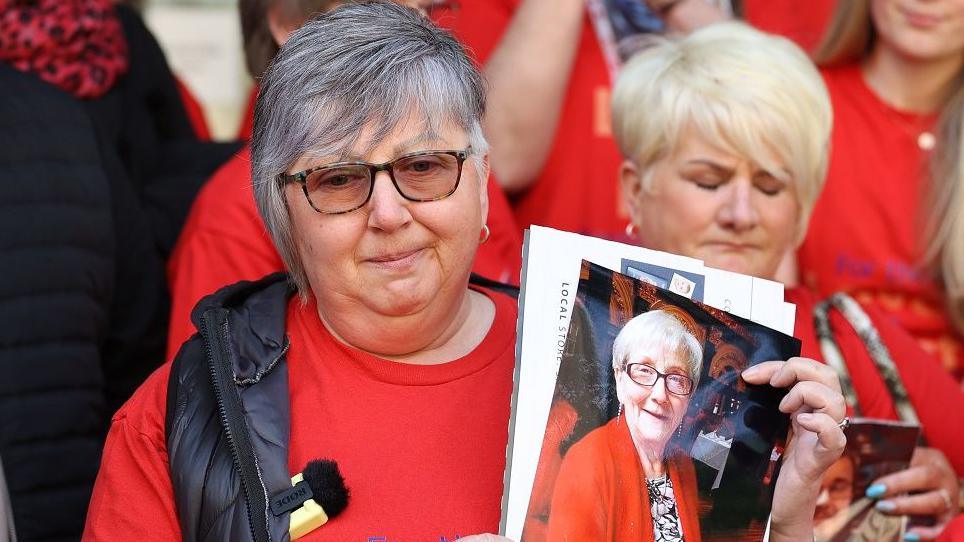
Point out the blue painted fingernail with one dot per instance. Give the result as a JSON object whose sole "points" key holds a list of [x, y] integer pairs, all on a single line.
{"points": [[876, 491], [885, 506], [911, 537]]}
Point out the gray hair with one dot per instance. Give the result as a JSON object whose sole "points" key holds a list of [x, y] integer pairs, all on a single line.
{"points": [[658, 331], [366, 65]]}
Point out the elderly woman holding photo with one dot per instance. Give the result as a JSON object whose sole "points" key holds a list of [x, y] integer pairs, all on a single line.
{"points": [[370, 171], [622, 481], [369, 168], [725, 135]]}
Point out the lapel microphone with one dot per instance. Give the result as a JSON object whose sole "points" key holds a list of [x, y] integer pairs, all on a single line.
{"points": [[318, 494]]}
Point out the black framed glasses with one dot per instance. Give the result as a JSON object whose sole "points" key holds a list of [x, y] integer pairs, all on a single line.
{"points": [[647, 375], [343, 187]]}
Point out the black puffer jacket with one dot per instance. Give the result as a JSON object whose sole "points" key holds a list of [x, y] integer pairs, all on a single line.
{"points": [[82, 307], [144, 118], [244, 458]]}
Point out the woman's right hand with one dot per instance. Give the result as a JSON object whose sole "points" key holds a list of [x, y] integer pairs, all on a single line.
{"points": [[816, 407], [933, 488]]}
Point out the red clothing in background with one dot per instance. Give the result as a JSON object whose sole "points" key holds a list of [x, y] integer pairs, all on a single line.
{"points": [[225, 241], [954, 532], [863, 235], [247, 121], [577, 189], [935, 396], [802, 22], [421, 447], [195, 113]]}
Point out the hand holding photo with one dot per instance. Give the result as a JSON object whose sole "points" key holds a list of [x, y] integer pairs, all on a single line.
{"points": [[652, 433]]}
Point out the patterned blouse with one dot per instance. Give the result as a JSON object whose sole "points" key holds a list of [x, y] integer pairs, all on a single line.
{"points": [[662, 503]]}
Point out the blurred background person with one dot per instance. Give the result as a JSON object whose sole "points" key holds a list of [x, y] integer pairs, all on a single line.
{"points": [[144, 114], [83, 311], [550, 84], [225, 240], [724, 163], [889, 226]]}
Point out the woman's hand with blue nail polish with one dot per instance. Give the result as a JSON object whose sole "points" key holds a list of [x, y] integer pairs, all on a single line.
{"points": [[885, 506], [929, 487], [876, 491]]}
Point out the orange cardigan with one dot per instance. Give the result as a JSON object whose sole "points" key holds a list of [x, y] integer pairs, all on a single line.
{"points": [[600, 494]]}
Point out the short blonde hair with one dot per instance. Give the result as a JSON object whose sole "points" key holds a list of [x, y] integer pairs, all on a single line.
{"points": [[755, 93]]}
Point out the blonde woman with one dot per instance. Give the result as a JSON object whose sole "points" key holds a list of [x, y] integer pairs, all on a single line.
{"points": [[889, 227], [725, 137]]}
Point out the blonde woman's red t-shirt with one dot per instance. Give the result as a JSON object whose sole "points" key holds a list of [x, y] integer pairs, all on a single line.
{"points": [[422, 447], [864, 233]]}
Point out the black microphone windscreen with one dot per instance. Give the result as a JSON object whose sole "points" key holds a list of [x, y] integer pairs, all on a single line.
{"points": [[327, 485]]}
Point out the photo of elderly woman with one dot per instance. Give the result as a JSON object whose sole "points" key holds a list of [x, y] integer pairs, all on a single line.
{"points": [[652, 435]]}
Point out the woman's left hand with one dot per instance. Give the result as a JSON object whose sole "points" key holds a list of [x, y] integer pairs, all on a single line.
{"points": [[929, 487], [816, 408]]}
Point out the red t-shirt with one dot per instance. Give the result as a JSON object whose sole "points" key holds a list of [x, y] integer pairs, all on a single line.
{"points": [[935, 396], [802, 22], [224, 241], [422, 447], [864, 233], [578, 189]]}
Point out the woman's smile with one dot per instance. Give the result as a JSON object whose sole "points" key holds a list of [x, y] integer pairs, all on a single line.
{"points": [[659, 416], [398, 261]]}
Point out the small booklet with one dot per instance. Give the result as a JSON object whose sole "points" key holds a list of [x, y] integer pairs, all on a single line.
{"points": [[874, 448], [649, 376]]}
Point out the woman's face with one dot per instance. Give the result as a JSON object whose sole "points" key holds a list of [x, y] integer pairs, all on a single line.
{"points": [[652, 412], [392, 258], [707, 203], [920, 29]]}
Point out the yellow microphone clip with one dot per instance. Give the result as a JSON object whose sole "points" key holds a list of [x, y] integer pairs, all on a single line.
{"points": [[307, 518]]}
